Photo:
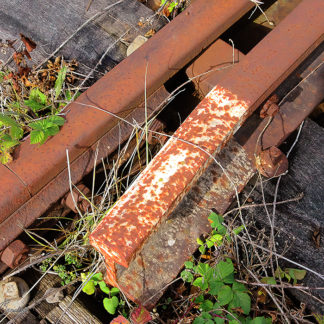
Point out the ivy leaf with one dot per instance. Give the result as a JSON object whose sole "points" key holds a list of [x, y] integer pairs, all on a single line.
{"points": [[59, 81], [89, 288], [110, 304], [225, 295], [103, 287], [114, 291]]}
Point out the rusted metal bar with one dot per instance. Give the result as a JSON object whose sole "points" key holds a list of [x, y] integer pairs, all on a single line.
{"points": [[211, 66], [164, 253], [169, 176], [119, 91]]}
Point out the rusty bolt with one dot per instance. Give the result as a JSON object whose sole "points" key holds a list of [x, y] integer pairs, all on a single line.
{"points": [[272, 162], [14, 254], [270, 108], [79, 197]]}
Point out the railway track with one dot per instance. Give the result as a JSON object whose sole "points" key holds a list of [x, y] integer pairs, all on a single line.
{"points": [[221, 137]]}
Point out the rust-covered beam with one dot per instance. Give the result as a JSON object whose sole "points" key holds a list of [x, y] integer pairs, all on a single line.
{"points": [[156, 192], [164, 253], [40, 172]]}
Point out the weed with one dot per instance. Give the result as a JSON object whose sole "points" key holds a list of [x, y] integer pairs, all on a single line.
{"points": [[221, 297], [110, 303], [31, 100]]}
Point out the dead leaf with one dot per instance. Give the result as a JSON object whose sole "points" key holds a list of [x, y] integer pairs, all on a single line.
{"points": [[150, 33], [26, 53], [119, 320], [316, 236], [140, 315], [30, 44]]}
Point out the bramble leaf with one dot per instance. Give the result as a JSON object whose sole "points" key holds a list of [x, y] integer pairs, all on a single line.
{"points": [[187, 276], [37, 136], [201, 282], [224, 269], [225, 295]]}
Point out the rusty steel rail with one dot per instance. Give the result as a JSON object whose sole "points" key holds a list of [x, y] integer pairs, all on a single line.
{"points": [[38, 175], [169, 176], [160, 254]]}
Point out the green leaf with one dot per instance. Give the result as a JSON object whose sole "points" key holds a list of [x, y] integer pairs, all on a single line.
{"points": [[189, 265], [203, 269], [37, 136], [34, 105], [56, 120], [89, 288], [216, 220], [215, 286], [238, 230], [201, 282], [202, 249], [206, 315], [38, 96], [110, 304], [207, 305], [296, 274], [200, 241], [16, 132], [51, 131], [224, 269], [260, 320], [279, 273], [103, 287], [244, 301], [225, 295], [5, 157], [237, 286], [269, 280], [199, 299], [219, 320], [217, 309], [199, 320], [187, 276], [7, 142], [59, 81], [8, 121], [114, 291], [40, 124]]}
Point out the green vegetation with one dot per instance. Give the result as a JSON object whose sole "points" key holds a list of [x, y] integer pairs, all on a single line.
{"points": [[32, 103]]}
